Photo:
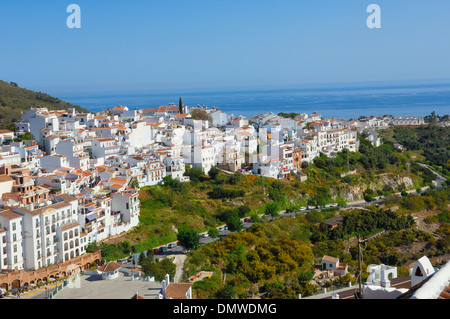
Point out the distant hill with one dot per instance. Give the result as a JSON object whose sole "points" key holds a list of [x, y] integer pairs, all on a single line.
{"points": [[14, 100]]}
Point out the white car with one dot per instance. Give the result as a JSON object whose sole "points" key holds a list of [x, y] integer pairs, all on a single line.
{"points": [[311, 207], [302, 208]]}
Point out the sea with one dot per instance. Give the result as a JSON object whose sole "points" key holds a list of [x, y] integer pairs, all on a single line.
{"points": [[330, 101]]}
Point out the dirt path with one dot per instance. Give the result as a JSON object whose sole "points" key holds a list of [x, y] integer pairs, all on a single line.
{"points": [[179, 262]]}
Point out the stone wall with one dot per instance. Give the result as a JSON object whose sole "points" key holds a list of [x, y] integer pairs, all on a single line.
{"points": [[18, 278]]}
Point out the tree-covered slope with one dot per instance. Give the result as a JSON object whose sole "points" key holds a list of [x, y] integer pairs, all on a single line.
{"points": [[14, 100]]}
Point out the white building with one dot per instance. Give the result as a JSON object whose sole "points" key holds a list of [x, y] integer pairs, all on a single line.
{"points": [[52, 162], [11, 230], [43, 244], [127, 204], [74, 152], [202, 157], [105, 148]]}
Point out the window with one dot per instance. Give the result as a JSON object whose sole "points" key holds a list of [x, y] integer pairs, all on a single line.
{"points": [[13, 226]]}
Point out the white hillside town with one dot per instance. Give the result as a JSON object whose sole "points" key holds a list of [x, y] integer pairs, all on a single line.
{"points": [[77, 180]]}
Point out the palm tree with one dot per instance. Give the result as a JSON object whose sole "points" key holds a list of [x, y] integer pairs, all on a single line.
{"points": [[308, 126]]}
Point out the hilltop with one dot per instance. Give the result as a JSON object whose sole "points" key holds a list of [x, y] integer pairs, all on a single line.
{"points": [[14, 100]]}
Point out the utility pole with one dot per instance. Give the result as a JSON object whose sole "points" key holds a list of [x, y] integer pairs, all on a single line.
{"points": [[263, 186], [360, 268], [359, 294]]}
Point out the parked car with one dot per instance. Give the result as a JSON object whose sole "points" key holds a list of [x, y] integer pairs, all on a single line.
{"points": [[288, 211], [302, 208], [204, 235], [247, 220], [156, 251], [172, 245], [162, 249], [311, 207]]}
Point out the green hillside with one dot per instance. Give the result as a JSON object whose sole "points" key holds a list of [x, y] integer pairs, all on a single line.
{"points": [[14, 100]]}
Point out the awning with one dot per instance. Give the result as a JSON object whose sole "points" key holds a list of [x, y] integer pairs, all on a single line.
{"points": [[91, 217]]}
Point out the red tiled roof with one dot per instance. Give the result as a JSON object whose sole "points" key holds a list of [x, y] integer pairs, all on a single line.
{"points": [[110, 266], [177, 290]]}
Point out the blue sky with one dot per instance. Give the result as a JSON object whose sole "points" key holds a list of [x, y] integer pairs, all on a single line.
{"points": [[157, 45]]}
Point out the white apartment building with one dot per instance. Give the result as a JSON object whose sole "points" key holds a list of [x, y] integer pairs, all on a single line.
{"points": [[407, 120], [202, 157], [52, 162], [141, 134], [95, 217], [308, 148], [104, 147], [172, 135], [42, 244], [9, 158], [126, 203], [264, 166], [219, 118], [153, 173], [175, 167], [11, 246], [74, 152]]}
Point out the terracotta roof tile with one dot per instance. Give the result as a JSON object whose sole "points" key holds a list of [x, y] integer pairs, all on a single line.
{"points": [[177, 290]]}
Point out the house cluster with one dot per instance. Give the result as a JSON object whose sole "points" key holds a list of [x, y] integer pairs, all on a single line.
{"points": [[74, 180]]}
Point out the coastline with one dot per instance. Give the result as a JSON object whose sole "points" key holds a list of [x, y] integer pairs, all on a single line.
{"points": [[334, 101]]}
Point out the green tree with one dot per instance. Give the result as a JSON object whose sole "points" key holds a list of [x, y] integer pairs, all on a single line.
{"points": [[271, 209], [180, 106], [159, 268], [227, 292], [188, 238], [213, 233], [234, 224], [213, 172]]}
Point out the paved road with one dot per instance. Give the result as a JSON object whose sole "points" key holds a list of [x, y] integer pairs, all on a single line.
{"points": [[179, 251]]}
